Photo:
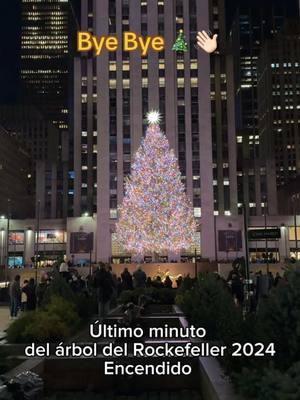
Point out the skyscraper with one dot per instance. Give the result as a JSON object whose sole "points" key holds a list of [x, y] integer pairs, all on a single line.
{"points": [[39, 135], [278, 109], [114, 91], [45, 57], [47, 44], [16, 199], [254, 22]]}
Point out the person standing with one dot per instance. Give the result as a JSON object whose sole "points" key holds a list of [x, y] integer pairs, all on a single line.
{"points": [[41, 290], [15, 297], [140, 278], [30, 291], [277, 279], [24, 296], [126, 279], [168, 282], [103, 282], [64, 270]]}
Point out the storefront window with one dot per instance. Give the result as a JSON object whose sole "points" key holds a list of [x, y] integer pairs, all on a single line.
{"points": [[15, 261], [292, 233], [51, 236], [294, 254], [16, 237]]}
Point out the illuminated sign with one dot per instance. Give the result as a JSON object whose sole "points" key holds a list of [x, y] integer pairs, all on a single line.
{"points": [[260, 234]]}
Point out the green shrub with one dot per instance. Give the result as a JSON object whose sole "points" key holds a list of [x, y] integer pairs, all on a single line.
{"points": [[209, 304], [278, 321], [63, 309], [58, 287], [85, 306], [54, 323], [270, 383], [45, 327]]}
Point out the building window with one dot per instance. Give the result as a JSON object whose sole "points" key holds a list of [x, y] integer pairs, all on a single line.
{"points": [[113, 213], [51, 236], [292, 233], [16, 237]]}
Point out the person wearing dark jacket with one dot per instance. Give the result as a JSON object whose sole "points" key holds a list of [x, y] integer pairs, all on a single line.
{"points": [[15, 297], [103, 282], [41, 290], [168, 282], [127, 279], [139, 277], [30, 291]]}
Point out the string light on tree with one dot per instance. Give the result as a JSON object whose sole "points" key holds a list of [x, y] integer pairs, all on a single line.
{"points": [[156, 214]]}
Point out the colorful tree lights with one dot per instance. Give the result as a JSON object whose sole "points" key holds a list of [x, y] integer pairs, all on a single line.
{"points": [[156, 214]]}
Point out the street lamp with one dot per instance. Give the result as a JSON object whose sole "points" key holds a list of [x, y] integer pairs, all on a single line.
{"points": [[294, 198], [37, 240], [247, 305], [285, 238], [7, 239], [2, 246], [266, 227]]}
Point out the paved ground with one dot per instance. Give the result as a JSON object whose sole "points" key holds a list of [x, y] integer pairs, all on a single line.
{"points": [[4, 318]]}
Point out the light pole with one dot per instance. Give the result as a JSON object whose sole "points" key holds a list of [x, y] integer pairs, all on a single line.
{"points": [[2, 258], [196, 265], [294, 198], [7, 239], [246, 256], [2, 246], [37, 241], [86, 214], [266, 242], [284, 228]]}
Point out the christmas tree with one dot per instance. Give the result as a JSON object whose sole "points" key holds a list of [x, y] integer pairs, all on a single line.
{"points": [[155, 215], [181, 44]]}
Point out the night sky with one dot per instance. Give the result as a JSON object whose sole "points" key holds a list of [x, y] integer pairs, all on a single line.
{"points": [[9, 49]]}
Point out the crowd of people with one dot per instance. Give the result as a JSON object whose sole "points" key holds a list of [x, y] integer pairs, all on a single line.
{"points": [[103, 282], [107, 286], [260, 285]]}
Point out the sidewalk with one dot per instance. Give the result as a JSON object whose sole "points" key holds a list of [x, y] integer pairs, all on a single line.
{"points": [[4, 318]]}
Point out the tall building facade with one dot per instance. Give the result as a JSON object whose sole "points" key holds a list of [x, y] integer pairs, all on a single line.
{"points": [[254, 22], [46, 171], [222, 117], [16, 195], [47, 49], [113, 92], [279, 109], [45, 57]]}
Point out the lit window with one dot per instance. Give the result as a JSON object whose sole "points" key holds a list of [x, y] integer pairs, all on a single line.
{"points": [[113, 212], [197, 212]]}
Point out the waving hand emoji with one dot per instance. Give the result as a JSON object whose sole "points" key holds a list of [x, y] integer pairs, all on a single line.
{"points": [[207, 43]]}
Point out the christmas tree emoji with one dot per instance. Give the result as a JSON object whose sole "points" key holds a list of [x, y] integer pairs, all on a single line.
{"points": [[181, 44]]}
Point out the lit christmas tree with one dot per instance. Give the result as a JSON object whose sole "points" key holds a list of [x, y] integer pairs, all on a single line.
{"points": [[155, 215], [181, 44]]}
